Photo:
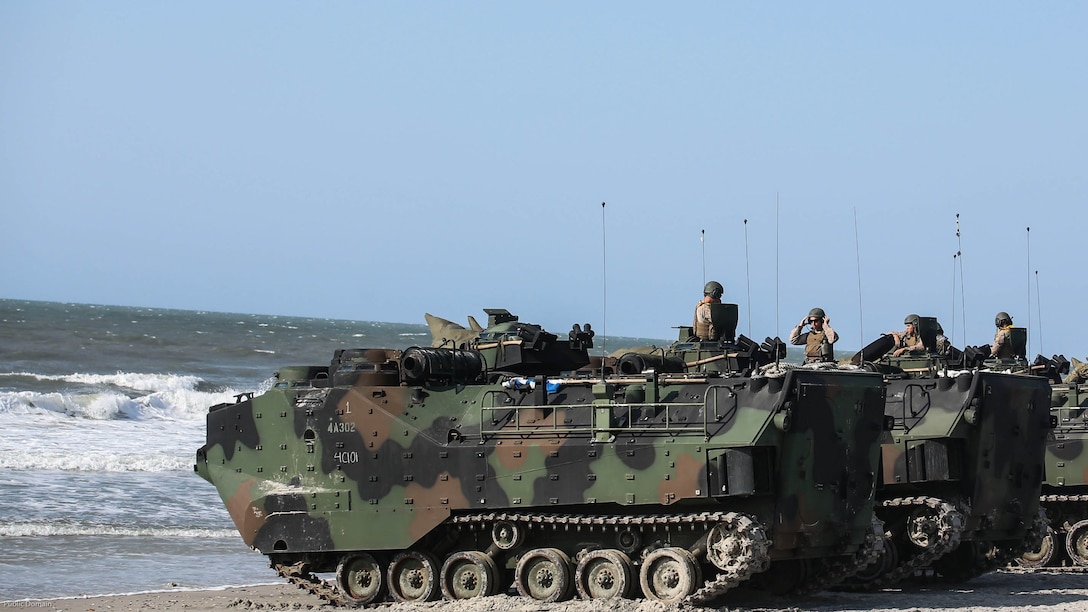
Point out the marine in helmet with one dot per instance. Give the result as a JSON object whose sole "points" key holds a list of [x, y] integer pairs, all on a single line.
{"points": [[1002, 347], [944, 345], [908, 341], [818, 339], [703, 326]]}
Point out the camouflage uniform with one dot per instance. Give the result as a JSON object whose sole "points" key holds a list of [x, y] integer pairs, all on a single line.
{"points": [[817, 341], [1002, 347], [909, 340], [703, 326], [944, 345]]}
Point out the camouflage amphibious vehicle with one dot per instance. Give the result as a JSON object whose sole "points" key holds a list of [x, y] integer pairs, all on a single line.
{"points": [[507, 458], [961, 467], [1065, 487], [821, 560]]}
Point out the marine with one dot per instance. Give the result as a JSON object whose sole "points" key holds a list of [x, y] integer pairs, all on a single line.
{"points": [[908, 340], [1002, 348], [819, 340], [703, 325]]}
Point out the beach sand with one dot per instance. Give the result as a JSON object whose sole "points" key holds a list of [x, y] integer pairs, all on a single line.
{"points": [[998, 591]]}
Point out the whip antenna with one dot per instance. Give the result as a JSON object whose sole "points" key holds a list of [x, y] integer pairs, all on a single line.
{"points": [[748, 277], [963, 293], [952, 328], [1028, 352], [777, 314], [857, 252], [1039, 304], [702, 243], [604, 286]]}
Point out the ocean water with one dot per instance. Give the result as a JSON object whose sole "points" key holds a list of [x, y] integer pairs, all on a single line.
{"points": [[102, 409]]}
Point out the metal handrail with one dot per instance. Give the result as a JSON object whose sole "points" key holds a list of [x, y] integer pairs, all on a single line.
{"points": [[553, 426]]}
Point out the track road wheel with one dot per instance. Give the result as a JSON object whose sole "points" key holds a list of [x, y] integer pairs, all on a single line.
{"points": [[1043, 555], [669, 575], [922, 528], [469, 574], [1076, 543], [507, 535], [885, 562], [725, 548], [544, 574], [359, 577], [604, 574], [413, 576]]}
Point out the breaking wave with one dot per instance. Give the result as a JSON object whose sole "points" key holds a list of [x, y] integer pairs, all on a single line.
{"points": [[127, 380], [31, 529], [61, 459], [116, 396]]}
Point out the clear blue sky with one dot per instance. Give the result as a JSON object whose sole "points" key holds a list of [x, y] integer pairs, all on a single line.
{"points": [[376, 160]]}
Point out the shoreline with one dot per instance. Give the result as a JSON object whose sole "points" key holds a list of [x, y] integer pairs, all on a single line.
{"points": [[1006, 590], [252, 596]]}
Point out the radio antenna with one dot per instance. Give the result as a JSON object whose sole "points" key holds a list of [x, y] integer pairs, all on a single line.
{"points": [[1029, 290], [857, 253], [604, 286], [1028, 256], [952, 329], [748, 277], [1039, 304], [963, 292], [777, 314], [702, 243]]}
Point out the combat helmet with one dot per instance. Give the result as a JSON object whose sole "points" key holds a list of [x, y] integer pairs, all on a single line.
{"points": [[913, 319], [714, 289], [1002, 319], [817, 312]]}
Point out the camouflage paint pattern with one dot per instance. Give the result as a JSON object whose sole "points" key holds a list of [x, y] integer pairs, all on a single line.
{"points": [[1066, 456], [973, 436], [378, 452], [304, 468], [1065, 488]]}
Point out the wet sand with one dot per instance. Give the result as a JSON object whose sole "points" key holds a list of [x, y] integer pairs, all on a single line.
{"points": [[998, 591]]}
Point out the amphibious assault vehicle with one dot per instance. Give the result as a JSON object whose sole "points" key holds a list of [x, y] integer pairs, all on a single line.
{"points": [[962, 465], [508, 458], [1064, 493], [1065, 486], [724, 354]]}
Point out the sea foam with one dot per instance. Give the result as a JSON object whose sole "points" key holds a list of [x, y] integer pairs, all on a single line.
{"points": [[118, 397], [31, 529]]}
